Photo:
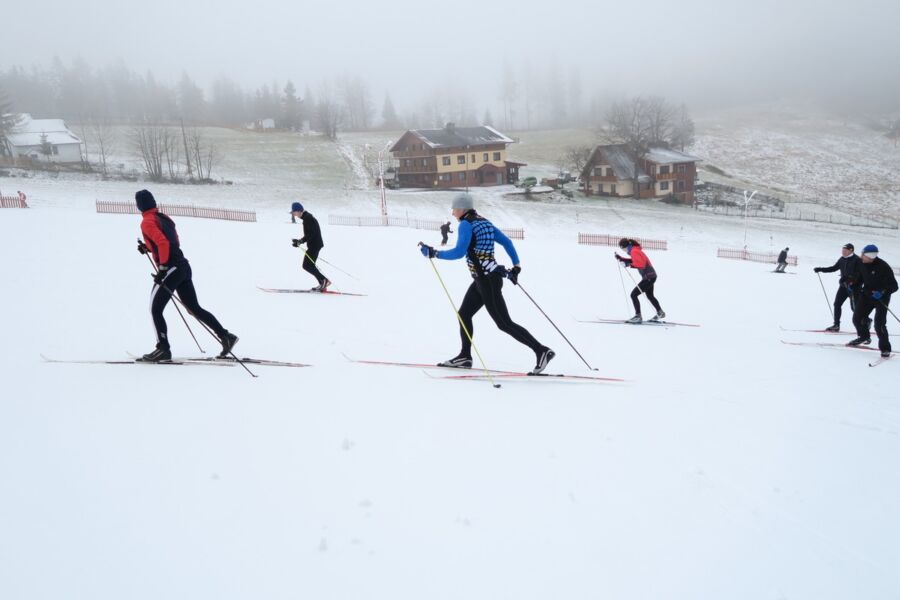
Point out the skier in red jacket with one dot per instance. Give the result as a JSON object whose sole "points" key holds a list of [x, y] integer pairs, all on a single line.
{"points": [[638, 260], [174, 275]]}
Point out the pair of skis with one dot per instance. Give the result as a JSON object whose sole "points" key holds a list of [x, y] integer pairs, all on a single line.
{"points": [[652, 322], [479, 374], [186, 361], [312, 291], [874, 363]]}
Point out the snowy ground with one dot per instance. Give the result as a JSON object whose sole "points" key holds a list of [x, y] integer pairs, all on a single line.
{"points": [[728, 465], [803, 154]]}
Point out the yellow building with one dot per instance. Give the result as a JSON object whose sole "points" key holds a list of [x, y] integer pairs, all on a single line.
{"points": [[454, 157]]}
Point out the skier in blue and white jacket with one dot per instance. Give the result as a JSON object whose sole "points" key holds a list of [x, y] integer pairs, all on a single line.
{"points": [[475, 240]]}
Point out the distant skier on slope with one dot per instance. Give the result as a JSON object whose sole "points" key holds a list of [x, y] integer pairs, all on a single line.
{"points": [[782, 261], [312, 237], [475, 240], [848, 285], [638, 260], [174, 275], [878, 283], [445, 231]]}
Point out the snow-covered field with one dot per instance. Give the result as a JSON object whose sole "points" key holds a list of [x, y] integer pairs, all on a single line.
{"points": [[803, 154], [727, 465]]}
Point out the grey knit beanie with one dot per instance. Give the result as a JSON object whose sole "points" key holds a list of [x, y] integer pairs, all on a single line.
{"points": [[463, 201]]}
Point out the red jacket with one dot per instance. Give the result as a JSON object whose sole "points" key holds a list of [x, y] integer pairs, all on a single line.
{"points": [[162, 239], [640, 262]]}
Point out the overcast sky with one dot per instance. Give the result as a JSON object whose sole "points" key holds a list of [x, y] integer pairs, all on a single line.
{"points": [[692, 50]]}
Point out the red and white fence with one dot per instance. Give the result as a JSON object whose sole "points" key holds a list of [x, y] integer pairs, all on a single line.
{"points": [[429, 224], [17, 201], [761, 257], [602, 239], [180, 210]]}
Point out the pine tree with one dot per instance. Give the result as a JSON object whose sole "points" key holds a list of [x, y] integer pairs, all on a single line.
{"points": [[8, 120], [290, 108], [389, 115]]}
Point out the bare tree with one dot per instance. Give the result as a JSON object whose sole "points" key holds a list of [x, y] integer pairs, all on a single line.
{"points": [[575, 157], [683, 129], [204, 154], [628, 123], [660, 120], [148, 140], [172, 153], [104, 139], [329, 113]]}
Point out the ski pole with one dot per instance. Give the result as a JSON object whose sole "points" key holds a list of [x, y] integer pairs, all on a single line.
{"points": [[888, 309], [211, 332], [156, 270], [461, 324], [826, 295], [622, 278], [327, 263], [555, 327]]}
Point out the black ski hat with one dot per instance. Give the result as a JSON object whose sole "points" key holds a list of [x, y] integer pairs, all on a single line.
{"points": [[623, 243], [849, 246], [144, 200]]}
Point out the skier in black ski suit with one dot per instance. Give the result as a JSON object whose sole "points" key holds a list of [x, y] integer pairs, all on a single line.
{"points": [[475, 240], [312, 237], [878, 283], [848, 285], [782, 261], [445, 231]]}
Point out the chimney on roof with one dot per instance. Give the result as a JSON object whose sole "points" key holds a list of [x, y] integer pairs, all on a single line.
{"points": [[450, 127]]}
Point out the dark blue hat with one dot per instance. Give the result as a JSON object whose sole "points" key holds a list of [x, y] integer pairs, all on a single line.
{"points": [[870, 249], [145, 200], [296, 206]]}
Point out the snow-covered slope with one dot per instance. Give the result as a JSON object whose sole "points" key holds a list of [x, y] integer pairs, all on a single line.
{"points": [[728, 465]]}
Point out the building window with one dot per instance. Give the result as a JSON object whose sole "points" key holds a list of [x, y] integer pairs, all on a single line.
{"points": [[664, 186], [446, 161], [496, 156], [612, 189], [682, 168], [461, 159], [407, 162], [485, 157], [680, 186], [444, 177], [424, 162], [462, 176], [664, 170], [473, 158], [609, 172], [601, 188]]}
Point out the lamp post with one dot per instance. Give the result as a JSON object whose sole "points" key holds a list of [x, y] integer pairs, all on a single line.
{"points": [[747, 201], [381, 177]]}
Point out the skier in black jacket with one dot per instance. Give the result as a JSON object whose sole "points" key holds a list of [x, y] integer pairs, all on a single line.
{"points": [[782, 261], [312, 237], [848, 285], [445, 231], [878, 283]]}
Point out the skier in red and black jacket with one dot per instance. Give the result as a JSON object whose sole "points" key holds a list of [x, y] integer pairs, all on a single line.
{"points": [[173, 275], [638, 260]]}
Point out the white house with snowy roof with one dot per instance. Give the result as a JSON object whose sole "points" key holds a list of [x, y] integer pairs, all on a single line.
{"points": [[46, 140]]}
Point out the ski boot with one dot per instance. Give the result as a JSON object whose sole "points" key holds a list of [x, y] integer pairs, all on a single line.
{"points": [[885, 354], [859, 341], [228, 341], [160, 354], [543, 358], [457, 362], [635, 320], [324, 285], [833, 328], [660, 314]]}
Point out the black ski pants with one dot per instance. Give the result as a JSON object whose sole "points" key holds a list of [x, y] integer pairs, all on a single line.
{"points": [[864, 307], [178, 280], [486, 291], [839, 298], [310, 256], [645, 286]]}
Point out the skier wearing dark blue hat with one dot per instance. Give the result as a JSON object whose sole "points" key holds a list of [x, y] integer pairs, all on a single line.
{"points": [[312, 237], [878, 285]]}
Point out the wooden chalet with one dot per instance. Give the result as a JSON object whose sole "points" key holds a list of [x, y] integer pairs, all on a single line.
{"points": [[661, 172]]}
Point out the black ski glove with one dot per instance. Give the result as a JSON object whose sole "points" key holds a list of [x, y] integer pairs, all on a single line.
{"points": [[295, 243], [513, 274], [160, 275], [142, 247], [817, 270]]}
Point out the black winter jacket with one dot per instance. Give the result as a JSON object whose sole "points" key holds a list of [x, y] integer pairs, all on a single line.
{"points": [[878, 276], [312, 234], [850, 268]]}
